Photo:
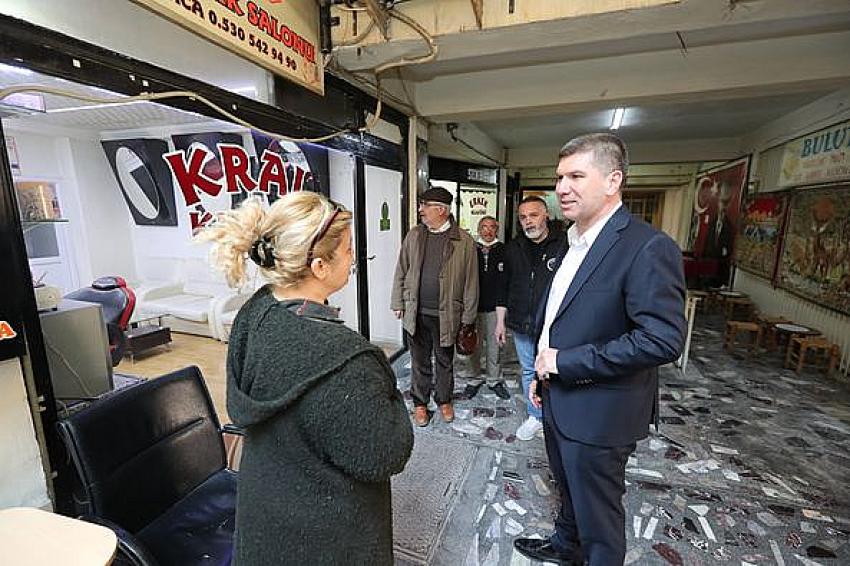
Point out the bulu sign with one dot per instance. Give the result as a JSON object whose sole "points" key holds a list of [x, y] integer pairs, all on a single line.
{"points": [[823, 156]]}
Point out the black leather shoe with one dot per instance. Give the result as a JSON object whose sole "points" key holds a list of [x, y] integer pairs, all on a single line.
{"points": [[541, 549], [471, 390], [500, 390]]}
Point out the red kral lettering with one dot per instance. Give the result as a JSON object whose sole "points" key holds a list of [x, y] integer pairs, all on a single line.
{"points": [[235, 162], [297, 181], [272, 172], [199, 219], [233, 6], [189, 176]]}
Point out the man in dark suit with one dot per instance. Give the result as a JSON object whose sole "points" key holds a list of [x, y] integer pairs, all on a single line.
{"points": [[614, 313]]}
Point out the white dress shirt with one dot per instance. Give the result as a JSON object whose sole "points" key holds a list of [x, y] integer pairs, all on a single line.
{"points": [[579, 246]]}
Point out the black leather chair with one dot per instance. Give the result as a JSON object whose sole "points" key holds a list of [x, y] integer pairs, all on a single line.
{"points": [[152, 466], [118, 302]]}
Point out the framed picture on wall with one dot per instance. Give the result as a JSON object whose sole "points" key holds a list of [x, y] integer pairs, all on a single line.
{"points": [[716, 214], [762, 228], [815, 260]]}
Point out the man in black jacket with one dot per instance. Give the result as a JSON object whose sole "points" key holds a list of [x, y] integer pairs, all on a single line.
{"points": [[491, 288], [529, 263]]}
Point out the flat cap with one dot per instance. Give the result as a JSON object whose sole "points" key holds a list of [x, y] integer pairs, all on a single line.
{"points": [[436, 194]]}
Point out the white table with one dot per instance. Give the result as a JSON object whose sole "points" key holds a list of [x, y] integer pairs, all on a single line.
{"points": [[32, 537]]}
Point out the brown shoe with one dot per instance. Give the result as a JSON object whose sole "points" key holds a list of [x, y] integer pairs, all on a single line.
{"points": [[448, 412], [420, 416]]}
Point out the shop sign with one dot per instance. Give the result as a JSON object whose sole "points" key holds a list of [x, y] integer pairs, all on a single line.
{"points": [[820, 157], [475, 205], [481, 175], [280, 36]]}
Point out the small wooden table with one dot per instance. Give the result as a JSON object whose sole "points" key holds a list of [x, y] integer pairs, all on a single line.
{"points": [[785, 331], [32, 537]]}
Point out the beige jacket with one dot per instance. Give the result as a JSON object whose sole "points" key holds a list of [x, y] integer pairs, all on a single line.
{"points": [[458, 281]]}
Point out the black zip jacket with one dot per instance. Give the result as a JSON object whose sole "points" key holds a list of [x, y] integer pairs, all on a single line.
{"points": [[491, 276], [529, 268]]}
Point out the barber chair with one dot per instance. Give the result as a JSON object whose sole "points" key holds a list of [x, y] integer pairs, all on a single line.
{"points": [[118, 302], [151, 465]]}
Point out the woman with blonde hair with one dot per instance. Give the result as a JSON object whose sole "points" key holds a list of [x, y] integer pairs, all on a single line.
{"points": [[325, 425]]}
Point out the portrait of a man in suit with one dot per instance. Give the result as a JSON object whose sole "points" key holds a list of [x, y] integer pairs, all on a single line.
{"points": [[613, 313]]}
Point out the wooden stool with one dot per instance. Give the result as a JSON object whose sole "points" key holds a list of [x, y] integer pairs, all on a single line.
{"points": [[735, 327], [714, 301], [734, 305], [768, 329], [825, 353], [785, 331]]}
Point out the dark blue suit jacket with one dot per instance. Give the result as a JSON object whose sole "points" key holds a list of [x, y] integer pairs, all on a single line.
{"points": [[622, 317]]}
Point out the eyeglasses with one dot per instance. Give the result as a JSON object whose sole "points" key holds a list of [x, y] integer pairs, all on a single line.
{"points": [[321, 234], [426, 203]]}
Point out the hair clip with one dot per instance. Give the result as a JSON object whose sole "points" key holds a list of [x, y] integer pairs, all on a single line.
{"points": [[262, 252]]}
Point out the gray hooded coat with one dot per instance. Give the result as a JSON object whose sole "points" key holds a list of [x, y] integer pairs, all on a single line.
{"points": [[326, 428]]}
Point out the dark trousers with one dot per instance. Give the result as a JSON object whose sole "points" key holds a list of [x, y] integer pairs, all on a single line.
{"points": [[425, 341], [591, 522]]}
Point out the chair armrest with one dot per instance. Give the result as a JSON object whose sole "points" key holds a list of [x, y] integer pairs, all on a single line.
{"points": [[231, 428], [130, 549], [233, 446], [221, 305]]}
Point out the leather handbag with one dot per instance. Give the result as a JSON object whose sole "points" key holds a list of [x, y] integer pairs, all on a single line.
{"points": [[467, 339]]}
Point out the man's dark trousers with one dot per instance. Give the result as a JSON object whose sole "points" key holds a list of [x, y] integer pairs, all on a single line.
{"points": [[592, 483], [422, 343]]}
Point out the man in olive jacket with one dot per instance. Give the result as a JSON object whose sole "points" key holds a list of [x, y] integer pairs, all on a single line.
{"points": [[435, 290]]}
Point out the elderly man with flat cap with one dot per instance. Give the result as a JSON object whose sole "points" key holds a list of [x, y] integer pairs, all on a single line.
{"points": [[435, 291]]}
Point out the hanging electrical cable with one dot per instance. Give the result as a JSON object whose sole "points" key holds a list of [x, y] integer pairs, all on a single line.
{"points": [[154, 96]]}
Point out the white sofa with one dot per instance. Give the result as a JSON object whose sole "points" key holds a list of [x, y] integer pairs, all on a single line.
{"points": [[224, 311], [189, 304]]}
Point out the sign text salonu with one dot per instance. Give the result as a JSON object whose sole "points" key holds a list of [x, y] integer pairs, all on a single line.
{"points": [[280, 36]]}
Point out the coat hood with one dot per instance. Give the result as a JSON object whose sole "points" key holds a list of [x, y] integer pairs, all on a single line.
{"points": [[279, 350]]}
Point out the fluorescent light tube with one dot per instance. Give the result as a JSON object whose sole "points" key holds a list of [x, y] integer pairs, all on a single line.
{"points": [[618, 118]]}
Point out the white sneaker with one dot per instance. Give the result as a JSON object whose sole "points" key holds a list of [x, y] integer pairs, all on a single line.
{"points": [[529, 429]]}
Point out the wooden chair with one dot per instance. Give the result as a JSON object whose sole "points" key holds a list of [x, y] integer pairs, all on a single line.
{"points": [[734, 328], [825, 353]]}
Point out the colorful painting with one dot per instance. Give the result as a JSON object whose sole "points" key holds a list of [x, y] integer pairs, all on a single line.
{"points": [[816, 254], [757, 248], [717, 205]]}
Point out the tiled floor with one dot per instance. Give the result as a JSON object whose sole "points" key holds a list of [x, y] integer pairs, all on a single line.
{"points": [[751, 466]]}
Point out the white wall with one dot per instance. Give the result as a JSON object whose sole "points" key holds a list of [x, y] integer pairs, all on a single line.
{"points": [[105, 244], [22, 481], [98, 226]]}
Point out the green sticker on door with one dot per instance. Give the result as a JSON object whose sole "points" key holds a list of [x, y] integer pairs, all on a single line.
{"points": [[385, 217]]}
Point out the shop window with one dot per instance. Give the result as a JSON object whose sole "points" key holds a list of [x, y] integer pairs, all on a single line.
{"points": [[645, 205], [39, 207]]}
